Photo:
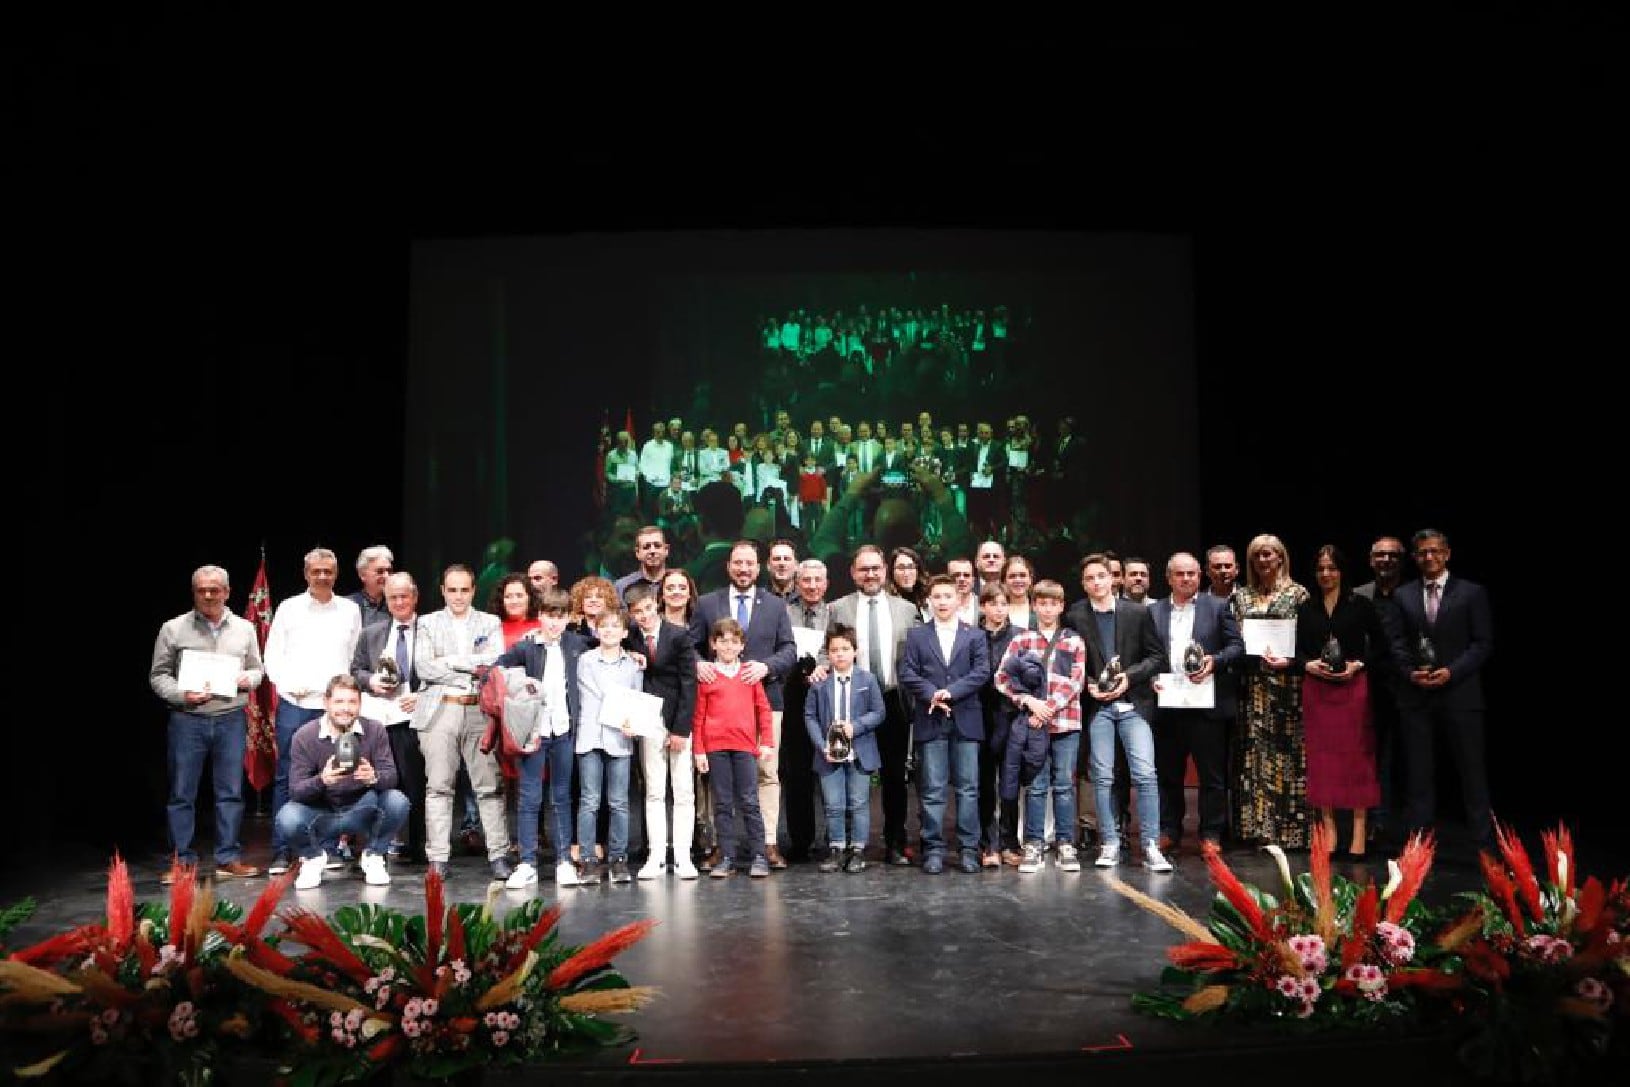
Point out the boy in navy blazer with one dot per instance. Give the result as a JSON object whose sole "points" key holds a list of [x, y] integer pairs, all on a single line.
{"points": [[851, 697]]}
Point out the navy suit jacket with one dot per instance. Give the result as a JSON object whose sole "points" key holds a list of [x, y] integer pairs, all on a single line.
{"points": [[1463, 636], [528, 653], [671, 673], [865, 712], [371, 646], [1217, 631], [1142, 653], [924, 670], [769, 634]]}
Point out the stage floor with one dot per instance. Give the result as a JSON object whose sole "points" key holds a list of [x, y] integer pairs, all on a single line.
{"points": [[836, 971]]}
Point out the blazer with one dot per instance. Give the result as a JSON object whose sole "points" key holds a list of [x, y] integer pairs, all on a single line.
{"points": [[528, 654], [1463, 635], [1142, 653], [1217, 631], [438, 663], [902, 613], [670, 673], [865, 712], [769, 634], [925, 670], [371, 646]]}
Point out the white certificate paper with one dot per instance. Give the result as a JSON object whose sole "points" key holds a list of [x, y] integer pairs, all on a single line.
{"points": [[642, 711], [1261, 635], [387, 711], [216, 672], [809, 642], [1175, 691]]}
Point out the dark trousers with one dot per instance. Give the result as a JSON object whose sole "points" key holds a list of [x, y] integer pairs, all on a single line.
{"points": [[1178, 735], [893, 745], [796, 760], [734, 776], [410, 779], [1463, 733]]}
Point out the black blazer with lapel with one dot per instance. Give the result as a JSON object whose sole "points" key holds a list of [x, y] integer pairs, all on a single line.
{"points": [[769, 634], [371, 646], [670, 673], [924, 670], [1463, 636], [528, 654], [1142, 653]]}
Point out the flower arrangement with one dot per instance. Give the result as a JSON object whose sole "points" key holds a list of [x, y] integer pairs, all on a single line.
{"points": [[1545, 961], [438, 994], [1326, 952], [138, 992]]}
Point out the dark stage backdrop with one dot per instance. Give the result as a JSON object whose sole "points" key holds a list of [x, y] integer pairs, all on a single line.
{"points": [[520, 348]]}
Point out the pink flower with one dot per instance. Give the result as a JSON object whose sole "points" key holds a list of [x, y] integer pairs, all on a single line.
{"points": [[1305, 1010], [429, 1006], [1397, 945], [499, 1037], [1310, 990], [1595, 992], [1288, 987]]}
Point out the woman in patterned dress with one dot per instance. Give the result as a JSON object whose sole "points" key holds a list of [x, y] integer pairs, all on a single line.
{"points": [[1270, 800]]}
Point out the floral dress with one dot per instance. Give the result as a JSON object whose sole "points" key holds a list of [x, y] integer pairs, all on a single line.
{"points": [[1270, 802]]}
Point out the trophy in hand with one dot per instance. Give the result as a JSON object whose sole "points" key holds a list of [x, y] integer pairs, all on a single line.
{"points": [[1331, 655], [1426, 654], [347, 752], [389, 675], [1110, 676], [1194, 658], [839, 748]]}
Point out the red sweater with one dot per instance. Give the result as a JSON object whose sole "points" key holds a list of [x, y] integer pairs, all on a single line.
{"points": [[728, 714]]}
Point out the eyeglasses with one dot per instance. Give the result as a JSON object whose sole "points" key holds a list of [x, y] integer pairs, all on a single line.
{"points": [[1431, 551]]}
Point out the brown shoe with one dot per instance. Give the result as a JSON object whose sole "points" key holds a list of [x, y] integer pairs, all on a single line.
{"points": [[1167, 845], [711, 861], [1011, 858], [990, 860], [772, 853], [236, 870]]}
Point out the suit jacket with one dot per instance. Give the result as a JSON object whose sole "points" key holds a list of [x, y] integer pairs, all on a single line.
{"points": [[865, 712], [925, 670], [441, 665], [1463, 635], [1217, 631], [849, 610], [670, 673], [769, 634], [1142, 653], [528, 653]]}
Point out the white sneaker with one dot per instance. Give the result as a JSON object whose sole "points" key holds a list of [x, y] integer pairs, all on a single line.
{"points": [[566, 874], [311, 872], [1068, 859], [1108, 856], [686, 869], [1032, 858], [1154, 859], [652, 869], [524, 876], [374, 870]]}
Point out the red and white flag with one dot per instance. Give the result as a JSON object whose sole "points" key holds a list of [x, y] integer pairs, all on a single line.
{"points": [[260, 753]]}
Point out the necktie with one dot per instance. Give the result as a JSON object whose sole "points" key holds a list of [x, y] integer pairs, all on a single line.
{"points": [[1432, 602], [741, 610], [403, 668], [843, 698], [809, 614], [874, 641]]}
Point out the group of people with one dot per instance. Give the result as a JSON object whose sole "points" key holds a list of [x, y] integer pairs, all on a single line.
{"points": [[974, 684]]}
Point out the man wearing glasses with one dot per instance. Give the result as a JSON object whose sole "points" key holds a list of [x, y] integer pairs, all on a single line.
{"points": [[1387, 561], [967, 596], [651, 549], [1444, 694]]}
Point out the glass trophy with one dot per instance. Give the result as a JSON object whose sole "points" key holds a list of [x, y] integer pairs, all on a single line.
{"points": [[390, 676], [839, 748], [1331, 655], [1194, 658], [1426, 654], [1110, 676], [347, 752]]}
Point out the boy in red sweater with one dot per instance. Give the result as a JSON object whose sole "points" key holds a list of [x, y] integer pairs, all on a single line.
{"points": [[731, 733]]}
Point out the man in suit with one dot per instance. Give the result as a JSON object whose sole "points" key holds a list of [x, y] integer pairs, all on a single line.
{"points": [[945, 664], [670, 673], [809, 611], [770, 654], [853, 695], [1187, 617], [880, 622], [986, 462], [450, 645], [1120, 628], [1448, 696], [394, 697], [1387, 562]]}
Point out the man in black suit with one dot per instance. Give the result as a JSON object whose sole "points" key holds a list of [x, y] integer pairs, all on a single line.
{"points": [[770, 655], [809, 611], [1112, 627], [1445, 694], [670, 674], [1190, 616], [397, 696]]}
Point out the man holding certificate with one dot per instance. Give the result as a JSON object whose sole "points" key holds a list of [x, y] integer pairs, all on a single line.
{"points": [[205, 662]]}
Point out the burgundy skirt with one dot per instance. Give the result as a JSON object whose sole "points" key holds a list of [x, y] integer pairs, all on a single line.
{"points": [[1340, 742]]}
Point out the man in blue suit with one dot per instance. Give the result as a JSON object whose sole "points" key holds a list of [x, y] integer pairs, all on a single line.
{"points": [[854, 697], [1189, 616], [1453, 614], [945, 664], [770, 655]]}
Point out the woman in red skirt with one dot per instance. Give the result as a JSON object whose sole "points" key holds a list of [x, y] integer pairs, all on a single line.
{"points": [[1338, 639]]}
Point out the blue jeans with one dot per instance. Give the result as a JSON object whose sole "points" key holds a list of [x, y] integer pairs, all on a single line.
{"points": [[375, 817], [848, 791], [289, 719], [602, 774], [956, 761], [556, 754], [1139, 743], [192, 738], [1057, 776]]}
